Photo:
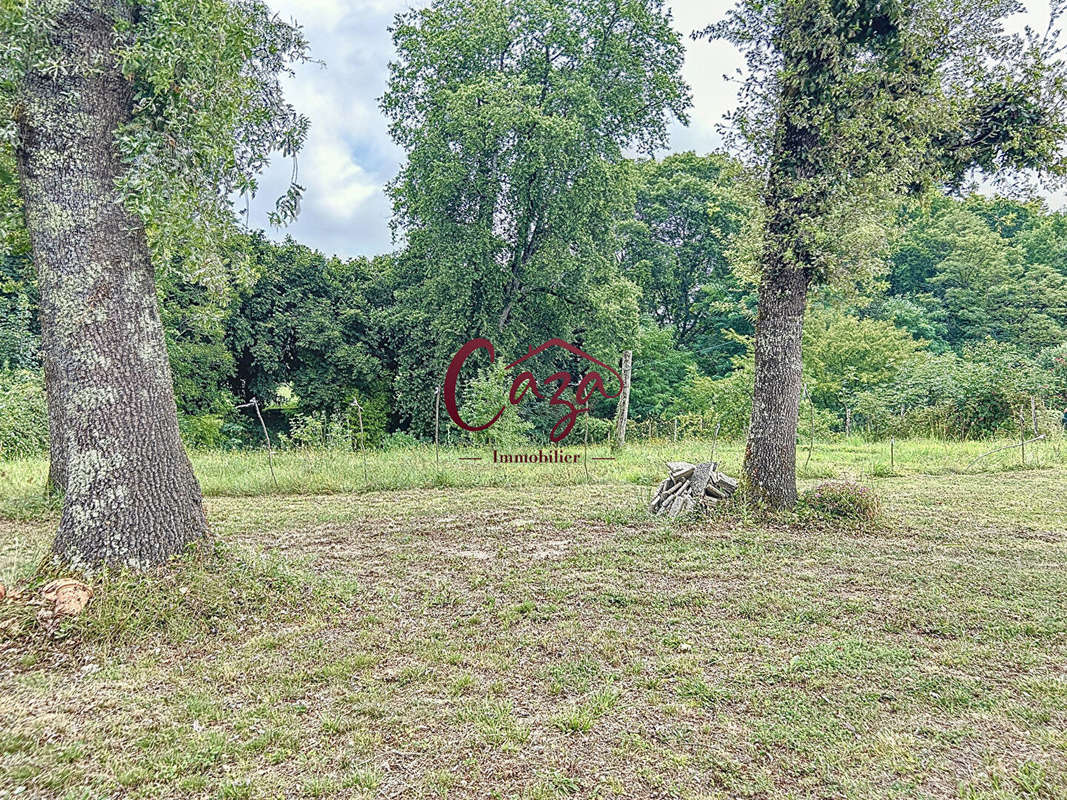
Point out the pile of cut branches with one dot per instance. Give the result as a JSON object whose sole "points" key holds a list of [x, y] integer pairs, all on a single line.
{"points": [[691, 486]]}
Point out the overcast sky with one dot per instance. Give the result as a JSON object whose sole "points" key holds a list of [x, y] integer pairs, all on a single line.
{"points": [[349, 156]]}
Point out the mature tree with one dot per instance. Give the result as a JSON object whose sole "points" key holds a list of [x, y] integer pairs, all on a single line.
{"points": [[194, 319], [305, 322], [845, 355], [515, 115], [660, 374], [688, 210], [988, 268], [132, 123], [847, 104], [988, 291]]}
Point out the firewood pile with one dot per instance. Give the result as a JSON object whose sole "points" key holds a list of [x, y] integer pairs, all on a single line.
{"points": [[691, 486]]}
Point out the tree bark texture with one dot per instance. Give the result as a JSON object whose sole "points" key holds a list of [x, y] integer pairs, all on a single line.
{"points": [[771, 452], [794, 201], [131, 496]]}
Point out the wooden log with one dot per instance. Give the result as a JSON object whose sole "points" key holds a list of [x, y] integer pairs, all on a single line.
{"points": [[715, 492], [676, 505], [680, 469]]}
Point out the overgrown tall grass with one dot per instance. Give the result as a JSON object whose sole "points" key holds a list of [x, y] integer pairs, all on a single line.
{"points": [[314, 471]]}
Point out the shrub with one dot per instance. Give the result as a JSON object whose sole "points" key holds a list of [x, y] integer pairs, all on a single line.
{"points": [[23, 414], [487, 394], [202, 430], [399, 440], [842, 500]]}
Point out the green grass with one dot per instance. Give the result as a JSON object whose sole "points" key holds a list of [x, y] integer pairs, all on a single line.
{"points": [[248, 473], [545, 639]]}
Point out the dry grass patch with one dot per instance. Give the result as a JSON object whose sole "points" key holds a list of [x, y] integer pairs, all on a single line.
{"points": [[543, 643]]}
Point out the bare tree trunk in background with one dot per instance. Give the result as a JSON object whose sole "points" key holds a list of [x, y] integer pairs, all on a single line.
{"points": [[131, 496], [771, 452], [622, 413]]}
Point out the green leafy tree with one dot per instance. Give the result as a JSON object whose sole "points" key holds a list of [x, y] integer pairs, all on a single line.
{"points": [[688, 210], [661, 370], [515, 115], [306, 322], [193, 319], [921, 315], [845, 355], [844, 107], [132, 125], [981, 274], [989, 292]]}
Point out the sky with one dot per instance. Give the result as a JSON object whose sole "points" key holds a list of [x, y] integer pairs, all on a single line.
{"points": [[349, 156]]}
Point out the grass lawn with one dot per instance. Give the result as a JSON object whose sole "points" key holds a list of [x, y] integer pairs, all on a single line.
{"points": [[468, 632]]}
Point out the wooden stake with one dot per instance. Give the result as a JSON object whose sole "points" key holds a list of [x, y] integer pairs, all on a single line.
{"points": [[254, 403], [1033, 413], [623, 412], [1022, 433], [437, 424], [585, 449], [676, 429], [362, 443], [811, 438], [892, 454]]}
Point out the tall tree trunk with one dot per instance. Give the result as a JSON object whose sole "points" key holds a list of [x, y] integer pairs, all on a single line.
{"points": [[792, 199], [771, 454], [131, 496]]}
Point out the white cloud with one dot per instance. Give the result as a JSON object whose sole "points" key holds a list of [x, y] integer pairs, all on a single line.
{"points": [[349, 156]]}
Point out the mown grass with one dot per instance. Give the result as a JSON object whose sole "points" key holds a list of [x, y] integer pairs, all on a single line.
{"points": [[551, 641]]}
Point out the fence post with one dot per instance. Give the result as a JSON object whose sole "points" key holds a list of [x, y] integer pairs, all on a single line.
{"points": [[623, 412], [362, 440], [1022, 433], [437, 424], [676, 429], [585, 449]]}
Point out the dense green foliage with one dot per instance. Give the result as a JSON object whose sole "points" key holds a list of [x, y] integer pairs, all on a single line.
{"points": [[926, 351], [520, 218], [515, 115], [23, 418]]}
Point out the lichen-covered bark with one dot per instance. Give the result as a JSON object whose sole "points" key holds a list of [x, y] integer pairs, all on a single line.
{"points": [[794, 200], [771, 452], [131, 496]]}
